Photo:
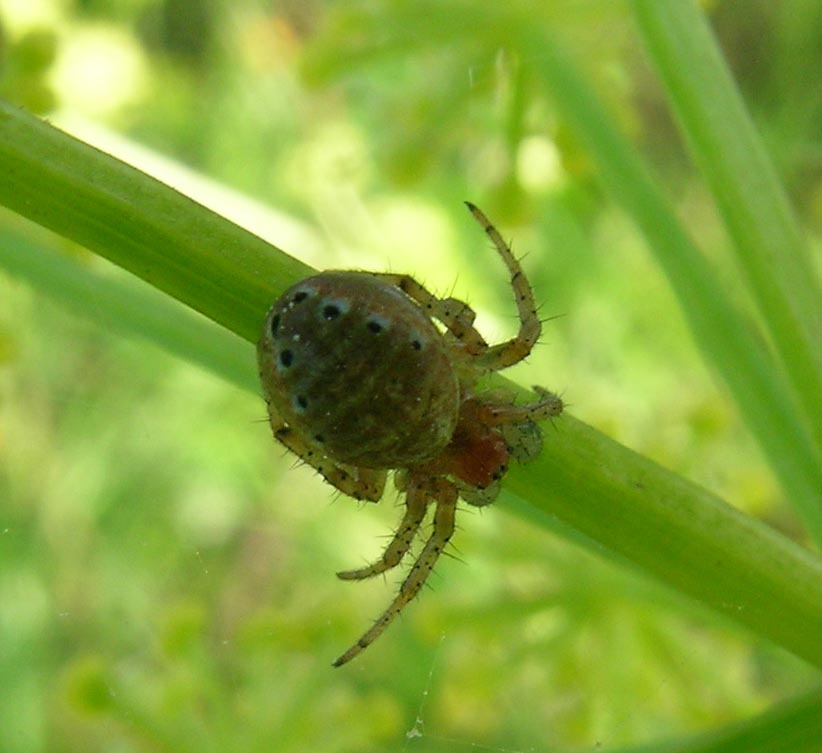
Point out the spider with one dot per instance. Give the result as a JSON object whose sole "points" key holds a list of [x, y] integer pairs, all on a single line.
{"points": [[360, 381]]}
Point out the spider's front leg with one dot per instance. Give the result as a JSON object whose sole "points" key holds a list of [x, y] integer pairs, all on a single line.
{"points": [[458, 317], [518, 423], [512, 351], [444, 494], [547, 406]]}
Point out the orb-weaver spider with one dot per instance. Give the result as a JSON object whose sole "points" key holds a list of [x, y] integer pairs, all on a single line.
{"points": [[359, 381]]}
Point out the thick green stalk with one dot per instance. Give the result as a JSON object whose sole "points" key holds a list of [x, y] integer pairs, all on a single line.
{"points": [[678, 532], [767, 240], [667, 526], [132, 309], [165, 238]]}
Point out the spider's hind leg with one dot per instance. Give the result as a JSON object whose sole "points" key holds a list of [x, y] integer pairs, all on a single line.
{"points": [[445, 495], [416, 503]]}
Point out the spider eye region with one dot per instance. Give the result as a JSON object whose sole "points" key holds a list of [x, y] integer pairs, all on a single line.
{"points": [[350, 358]]}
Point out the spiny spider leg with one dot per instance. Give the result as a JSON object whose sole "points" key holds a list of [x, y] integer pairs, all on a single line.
{"points": [[416, 504], [359, 483], [512, 351], [458, 317], [443, 530], [549, 405]]}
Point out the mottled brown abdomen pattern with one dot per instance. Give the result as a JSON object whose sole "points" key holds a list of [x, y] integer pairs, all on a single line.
{"points": [[356, 367]]}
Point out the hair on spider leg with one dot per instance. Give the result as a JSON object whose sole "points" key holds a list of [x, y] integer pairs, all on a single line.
{"points": [[362, 504], [453, 286], [565, 405], [546, 393], [390, 534], [518, 259], [297, 462], [434, 573], [549, 318], [544, 320], [455, 555], [336, 495], [451, 555]]}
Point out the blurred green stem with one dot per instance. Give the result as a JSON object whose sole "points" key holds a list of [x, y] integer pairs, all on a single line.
{"points": [[767, 240], [156, 233], [134, 310]]}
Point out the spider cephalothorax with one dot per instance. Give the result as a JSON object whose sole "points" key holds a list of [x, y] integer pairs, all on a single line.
{"points": [[359, 381]]}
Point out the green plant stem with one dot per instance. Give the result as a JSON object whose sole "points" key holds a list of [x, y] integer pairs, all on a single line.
{"points": [[130, 308], [721, 331], [725, 145], [669, 527], [793, 726], [162, 236], [677, 532]]}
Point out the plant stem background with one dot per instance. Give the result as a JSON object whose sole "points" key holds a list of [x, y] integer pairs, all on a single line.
{"points": [[92, 201]]}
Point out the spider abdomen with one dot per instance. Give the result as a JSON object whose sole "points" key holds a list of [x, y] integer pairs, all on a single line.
{"points": [[357, 368]]}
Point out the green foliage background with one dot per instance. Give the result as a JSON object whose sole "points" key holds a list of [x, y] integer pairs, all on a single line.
{"points": [[167, 576]]}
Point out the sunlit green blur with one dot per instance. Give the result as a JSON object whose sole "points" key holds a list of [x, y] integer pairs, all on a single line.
{"points": [[167, 574]]}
